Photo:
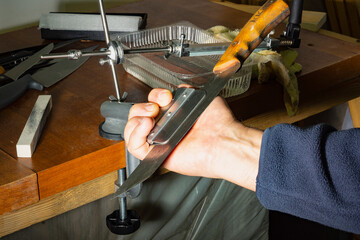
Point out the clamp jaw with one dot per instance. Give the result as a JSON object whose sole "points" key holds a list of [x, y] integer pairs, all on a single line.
{"points": [[293, 27], [115, 111]]}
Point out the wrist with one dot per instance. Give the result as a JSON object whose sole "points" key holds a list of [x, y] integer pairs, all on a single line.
{"points": [[242, 150]]}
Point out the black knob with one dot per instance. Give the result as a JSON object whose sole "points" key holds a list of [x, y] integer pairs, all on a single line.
{"points": [[123, 226]]}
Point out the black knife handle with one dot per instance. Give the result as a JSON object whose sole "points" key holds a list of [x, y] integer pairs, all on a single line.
{"points": [[4, 80], [12, 59], [12, 91]]}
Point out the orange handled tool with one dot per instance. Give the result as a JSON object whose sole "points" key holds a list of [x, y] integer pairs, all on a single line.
{"points": [[251, 35]]}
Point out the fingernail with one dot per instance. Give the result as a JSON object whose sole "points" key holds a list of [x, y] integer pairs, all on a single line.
{"points": [[149, 107]]}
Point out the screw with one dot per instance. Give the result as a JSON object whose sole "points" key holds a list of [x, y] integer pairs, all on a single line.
{"points": [[112, 98], [103, 61]]}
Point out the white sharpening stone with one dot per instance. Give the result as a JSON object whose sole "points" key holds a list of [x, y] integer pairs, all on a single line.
{"points": [[33, 127], [92, 22]]}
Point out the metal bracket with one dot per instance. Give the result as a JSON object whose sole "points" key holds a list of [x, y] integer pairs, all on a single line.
{"points": [[185, 101]]}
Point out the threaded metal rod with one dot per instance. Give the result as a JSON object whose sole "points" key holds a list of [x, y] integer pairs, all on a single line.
{"points": [[70, 54], [122, 200]]}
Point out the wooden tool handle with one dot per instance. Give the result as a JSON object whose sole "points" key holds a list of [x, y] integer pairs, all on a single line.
{"points": [[251, 35]]}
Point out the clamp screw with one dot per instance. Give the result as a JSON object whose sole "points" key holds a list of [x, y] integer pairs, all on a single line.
{"points": [[123, 221], [103, 61]]}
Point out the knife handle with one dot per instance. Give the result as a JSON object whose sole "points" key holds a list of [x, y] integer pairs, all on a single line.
{"points": [[251, 35], [12, 91], [4, 80]]}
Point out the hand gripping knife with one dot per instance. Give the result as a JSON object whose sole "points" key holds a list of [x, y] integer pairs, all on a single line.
{"points": [[189, 103]]}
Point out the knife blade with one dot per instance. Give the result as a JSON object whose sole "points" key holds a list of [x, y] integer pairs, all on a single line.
{"points": [[14, 73], [44, 77], [50, 75], [9, 60], [188, 104], [17, 71]]}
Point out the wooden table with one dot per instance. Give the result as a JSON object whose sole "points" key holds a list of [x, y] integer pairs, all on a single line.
{"points": [[73, 165]]}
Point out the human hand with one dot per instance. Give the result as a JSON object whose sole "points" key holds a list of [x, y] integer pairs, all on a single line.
{"points": [[217, 146]]}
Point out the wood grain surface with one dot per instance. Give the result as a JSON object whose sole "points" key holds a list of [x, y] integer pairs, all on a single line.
{"points": [[57, 204], [18, 185], [71, 152]]}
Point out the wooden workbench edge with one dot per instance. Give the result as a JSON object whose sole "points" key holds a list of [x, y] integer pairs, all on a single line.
{"points": [[57, 204], [83, 169], [19, 194], [18, 184]]}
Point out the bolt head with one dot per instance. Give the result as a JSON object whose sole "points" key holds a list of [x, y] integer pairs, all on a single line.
{"points": [[101, 61]]}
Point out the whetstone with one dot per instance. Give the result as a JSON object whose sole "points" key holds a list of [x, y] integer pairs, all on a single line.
{"points": [[34, 126]]}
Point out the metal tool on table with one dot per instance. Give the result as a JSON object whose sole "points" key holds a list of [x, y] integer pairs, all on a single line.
{"points": [[115, 112], [7, 96], [178, 47], [187, 104], [44, 77], [11, 59], [14, 73]]}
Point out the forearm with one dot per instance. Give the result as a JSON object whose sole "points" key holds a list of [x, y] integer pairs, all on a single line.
{"points": [[312, 173]]}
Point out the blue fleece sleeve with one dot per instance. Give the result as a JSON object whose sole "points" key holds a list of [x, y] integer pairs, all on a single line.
{"points": [[312, 173]]}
